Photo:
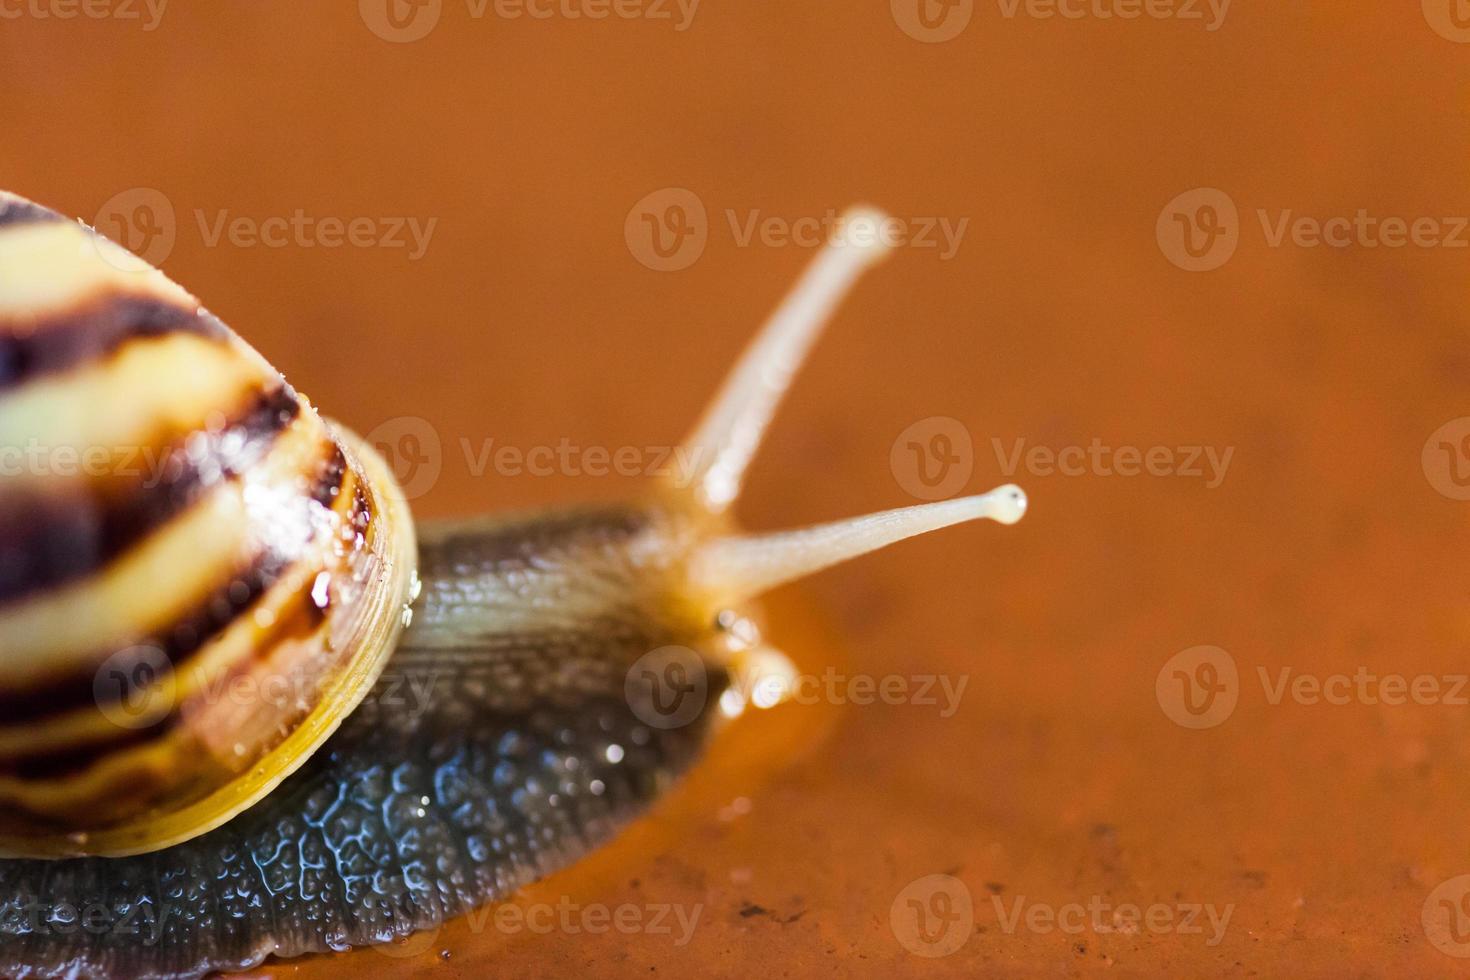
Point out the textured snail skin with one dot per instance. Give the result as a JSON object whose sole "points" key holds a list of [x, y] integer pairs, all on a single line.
{"points": [[422, 805]]}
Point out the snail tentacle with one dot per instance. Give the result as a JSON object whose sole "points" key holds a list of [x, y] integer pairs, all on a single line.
{"points": [[742, 567], [729, 433]]}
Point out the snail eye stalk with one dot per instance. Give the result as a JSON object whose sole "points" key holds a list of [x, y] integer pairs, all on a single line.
{"points": [[730, 432], [734, 568], [742, 567]]}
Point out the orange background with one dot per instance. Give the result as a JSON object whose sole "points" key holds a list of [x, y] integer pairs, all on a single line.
{"points": [[1059, 320]]}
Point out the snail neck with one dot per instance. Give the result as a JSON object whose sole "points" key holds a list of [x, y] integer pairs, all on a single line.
{"points": [[561, 572]]}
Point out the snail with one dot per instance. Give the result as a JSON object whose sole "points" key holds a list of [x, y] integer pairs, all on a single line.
{"points": [[270, 551]]}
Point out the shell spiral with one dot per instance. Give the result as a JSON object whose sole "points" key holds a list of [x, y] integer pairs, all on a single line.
{"points": [[199, 576]]}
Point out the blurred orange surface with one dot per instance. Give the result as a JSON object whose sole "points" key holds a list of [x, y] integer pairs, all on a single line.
{"points": [[1115, 257]]}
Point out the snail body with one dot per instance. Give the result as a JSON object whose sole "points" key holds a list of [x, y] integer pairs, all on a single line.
{"points": [[461, 708]]}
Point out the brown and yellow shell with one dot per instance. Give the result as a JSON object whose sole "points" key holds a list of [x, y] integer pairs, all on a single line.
{"points": [[199, 576]]}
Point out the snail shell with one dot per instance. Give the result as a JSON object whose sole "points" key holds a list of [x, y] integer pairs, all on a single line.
{"points": [[176, 520], [522, 719]]}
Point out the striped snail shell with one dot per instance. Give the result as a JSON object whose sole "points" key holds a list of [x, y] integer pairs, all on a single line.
{"points": [[175, 517], [273, 548]]}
